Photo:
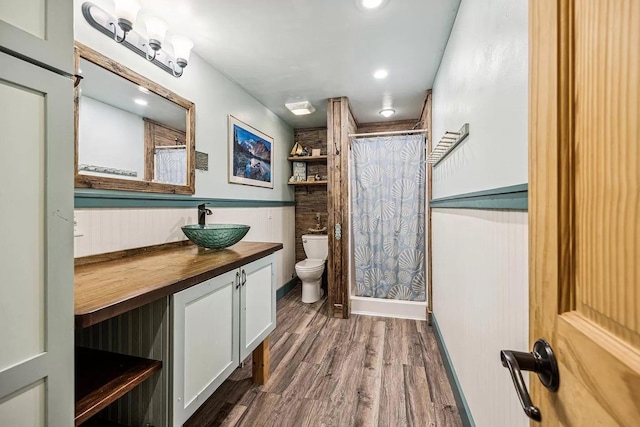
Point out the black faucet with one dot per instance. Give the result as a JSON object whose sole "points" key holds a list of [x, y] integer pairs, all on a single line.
{"points": [[202, 213]]}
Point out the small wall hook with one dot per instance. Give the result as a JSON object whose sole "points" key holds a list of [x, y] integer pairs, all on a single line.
{"points": [[78, 78]]}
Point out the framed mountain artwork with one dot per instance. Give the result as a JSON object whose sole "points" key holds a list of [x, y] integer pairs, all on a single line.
{"points": [[250, 155]]}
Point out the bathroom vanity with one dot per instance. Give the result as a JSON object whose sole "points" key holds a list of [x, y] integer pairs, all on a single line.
{"points": [[188, 315]]}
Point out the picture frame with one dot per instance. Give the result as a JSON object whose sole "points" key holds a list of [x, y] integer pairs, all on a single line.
{"points": [[250, 155], [299, 171]]}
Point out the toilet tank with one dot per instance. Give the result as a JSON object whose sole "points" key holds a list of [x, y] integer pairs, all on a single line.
{"points": [[316, 246]]}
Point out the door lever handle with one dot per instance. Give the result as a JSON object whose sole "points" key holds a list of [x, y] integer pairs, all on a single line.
{"points": [[541, 361]]}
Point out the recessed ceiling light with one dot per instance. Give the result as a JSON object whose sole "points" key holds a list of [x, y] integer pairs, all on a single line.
{"points": [[381, 74], [300, 108], [371, 4], [79, 70], [143, 89], [140, 101], [387, 112]]}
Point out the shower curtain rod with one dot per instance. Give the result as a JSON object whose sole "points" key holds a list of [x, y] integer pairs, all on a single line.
{"points": [[170, 147], [395, 132]]}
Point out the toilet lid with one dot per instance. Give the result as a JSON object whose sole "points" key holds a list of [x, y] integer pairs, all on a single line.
{"points": [[310, 264]]}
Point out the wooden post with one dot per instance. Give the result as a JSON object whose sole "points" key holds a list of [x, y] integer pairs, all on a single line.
{"points": [[261, 369], [340, 123]]}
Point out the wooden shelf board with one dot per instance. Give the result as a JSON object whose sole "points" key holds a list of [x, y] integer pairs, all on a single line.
{"points": [[101, 377], [309, 159], [309, 183]]}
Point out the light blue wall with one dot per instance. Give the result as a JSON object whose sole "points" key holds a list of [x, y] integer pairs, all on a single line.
{"points": [[482, 80], [215, 97]]}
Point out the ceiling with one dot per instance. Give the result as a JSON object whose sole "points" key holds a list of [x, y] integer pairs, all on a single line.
{"points": [[111, 89], [293, 50]]}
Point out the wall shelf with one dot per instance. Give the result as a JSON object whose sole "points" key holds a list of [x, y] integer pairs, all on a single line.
{"points": [[102, 377], [446, 145], [308, 183], [308, 159]]}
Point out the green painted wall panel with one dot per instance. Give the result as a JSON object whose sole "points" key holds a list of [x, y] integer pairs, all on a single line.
{"points": [[514, 197], [124, 199]]}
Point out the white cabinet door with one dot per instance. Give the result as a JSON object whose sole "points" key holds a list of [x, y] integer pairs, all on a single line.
{"points": [[36, 245], [205, 341], [258, 303], [40, 30]]}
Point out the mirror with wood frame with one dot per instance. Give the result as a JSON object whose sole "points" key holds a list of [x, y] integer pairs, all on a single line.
{"points": [[130, 133]]}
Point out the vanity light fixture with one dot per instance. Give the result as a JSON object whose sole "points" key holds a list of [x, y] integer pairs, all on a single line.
{"points": [[181, 49], [126, 12], [156, 30], [300, 108], [150, 47], [387, 112]]}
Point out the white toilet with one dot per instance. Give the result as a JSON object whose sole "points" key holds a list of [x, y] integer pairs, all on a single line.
{"points": [[316, 247]]}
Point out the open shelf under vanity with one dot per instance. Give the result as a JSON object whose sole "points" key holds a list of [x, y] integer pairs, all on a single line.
{"points": [[102, 377]]}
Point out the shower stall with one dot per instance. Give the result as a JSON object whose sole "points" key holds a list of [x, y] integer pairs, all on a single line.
{"points": [[387, 191]]}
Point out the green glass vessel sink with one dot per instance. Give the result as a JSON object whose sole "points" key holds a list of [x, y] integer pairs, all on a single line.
{"points": [[215, 236]]}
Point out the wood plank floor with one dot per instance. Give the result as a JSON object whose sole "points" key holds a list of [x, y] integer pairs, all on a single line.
{"points": [[364, 371]]}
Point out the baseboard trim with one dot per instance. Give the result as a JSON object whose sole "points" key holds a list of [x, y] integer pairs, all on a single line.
{"points": [[286, 288], [415, 310], [461, 402]]}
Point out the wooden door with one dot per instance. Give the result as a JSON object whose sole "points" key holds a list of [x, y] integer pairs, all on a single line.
{"points": [[584, 207], [204, 340], [258, 303], [36, 246]]}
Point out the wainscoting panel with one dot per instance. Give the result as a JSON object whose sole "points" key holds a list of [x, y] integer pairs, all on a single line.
{"points": [[480, 298], [106, 230]]}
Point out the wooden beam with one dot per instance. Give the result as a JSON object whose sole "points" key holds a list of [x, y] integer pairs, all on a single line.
{"points": [[333, 173], [261, 363], [340, 123]]}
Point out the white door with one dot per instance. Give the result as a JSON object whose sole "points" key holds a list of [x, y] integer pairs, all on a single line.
{"points": [[205, 341], [258, 303], [36, 245], [41, 30]]}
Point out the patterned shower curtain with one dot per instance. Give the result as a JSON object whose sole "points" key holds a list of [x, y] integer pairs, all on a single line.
{"points": [[171, 166], [388, 216]]}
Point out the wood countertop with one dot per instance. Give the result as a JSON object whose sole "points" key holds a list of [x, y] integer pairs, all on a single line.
{"points": [[109, 288]]}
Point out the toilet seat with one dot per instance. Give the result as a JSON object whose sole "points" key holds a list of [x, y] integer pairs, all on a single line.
{"points": [[310, 271], [310, 265]]}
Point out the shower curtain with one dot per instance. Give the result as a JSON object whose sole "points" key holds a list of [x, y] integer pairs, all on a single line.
{"points": [[171, 166], [388, 216]]}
